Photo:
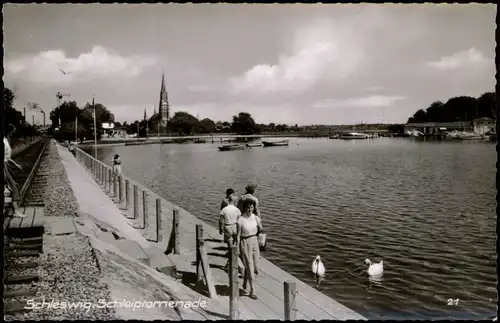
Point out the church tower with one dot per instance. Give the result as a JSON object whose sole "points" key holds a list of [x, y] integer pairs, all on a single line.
{"points": [[164, 106]]}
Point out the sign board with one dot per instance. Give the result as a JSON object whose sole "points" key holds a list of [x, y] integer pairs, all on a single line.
{"points": [[106, 125]]}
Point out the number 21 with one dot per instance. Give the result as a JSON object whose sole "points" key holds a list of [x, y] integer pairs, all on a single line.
{"points": [[452, 301]]}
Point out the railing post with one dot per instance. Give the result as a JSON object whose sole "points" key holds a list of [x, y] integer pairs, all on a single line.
{"points": [[144, 208], [290, 304], [103, 175], [233, 281], [120, 189], [199, 243], [158, 221], [115, 187], [136, 202], [177, 249], [127, 194], [110, 179]]}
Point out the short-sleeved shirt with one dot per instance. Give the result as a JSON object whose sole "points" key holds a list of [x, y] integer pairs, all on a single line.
{"points": [[249, 197], [249, 225], [8, 150], [230, 215]]}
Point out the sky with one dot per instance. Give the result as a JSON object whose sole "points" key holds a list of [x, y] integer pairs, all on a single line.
{"points": [[294, 64]]}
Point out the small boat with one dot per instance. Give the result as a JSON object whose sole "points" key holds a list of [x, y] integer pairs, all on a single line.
{"points": [[231, 147], [469, 136], [353, 135], [199, 141], [275, 143], [254, 145], [334, 137]]}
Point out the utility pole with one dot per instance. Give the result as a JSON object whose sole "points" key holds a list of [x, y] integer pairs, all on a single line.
{"points": [[95, 131]]}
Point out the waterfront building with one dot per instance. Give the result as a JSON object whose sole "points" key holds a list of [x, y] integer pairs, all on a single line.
{"points": [[484, 125], [436, 127]]}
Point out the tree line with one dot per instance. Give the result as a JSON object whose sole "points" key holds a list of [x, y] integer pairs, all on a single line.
{"points": [[461, 108], [16, 118]]}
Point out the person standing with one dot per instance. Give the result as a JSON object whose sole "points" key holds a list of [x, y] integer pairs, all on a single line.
{"points": [[9, 164], [117, 166], [249, 195], [247, 229], [225, 202], [228, 221]]}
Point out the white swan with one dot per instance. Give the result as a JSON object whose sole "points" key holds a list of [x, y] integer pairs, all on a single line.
{"points": [[375, 269], [317, 267]]}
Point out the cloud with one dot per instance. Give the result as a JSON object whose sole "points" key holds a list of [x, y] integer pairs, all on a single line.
{"points": [[463, 59], [320, 51], [45, 67], [374, 88], [372, 101]]}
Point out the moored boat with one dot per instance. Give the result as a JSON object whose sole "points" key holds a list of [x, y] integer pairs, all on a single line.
{"points": [[353, 135], [275, 143], [231, 147], [254, 145]]}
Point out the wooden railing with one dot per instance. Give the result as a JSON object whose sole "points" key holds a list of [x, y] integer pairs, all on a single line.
{"points": [[114, 186]]}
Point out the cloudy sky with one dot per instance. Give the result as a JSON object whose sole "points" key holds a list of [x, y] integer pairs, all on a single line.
{"points": [[294, 64]]}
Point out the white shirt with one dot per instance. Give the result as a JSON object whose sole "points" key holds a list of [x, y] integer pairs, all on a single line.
{"points": [[8, 150], [230, 214]]}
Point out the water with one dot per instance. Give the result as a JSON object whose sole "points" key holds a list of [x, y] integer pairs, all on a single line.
{"points": [[426, 209]]}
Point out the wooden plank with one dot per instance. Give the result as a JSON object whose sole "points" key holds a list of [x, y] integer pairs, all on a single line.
{"points": [[22, 292], [17, 307], [27, 240], [6, 223], [16, 221], [27, 246], [24, 265], [28, 220], [24, 253], [183, 263], [207, 272], [38, 218], [20, 279]]}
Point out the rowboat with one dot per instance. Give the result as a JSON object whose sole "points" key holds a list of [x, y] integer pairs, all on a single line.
{"points": [[275, 143], [231, 147], [353, 135], [254, 145]]}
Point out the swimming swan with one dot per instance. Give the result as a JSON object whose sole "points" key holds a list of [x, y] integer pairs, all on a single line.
{"points": [[317, 267], [375, 269]]}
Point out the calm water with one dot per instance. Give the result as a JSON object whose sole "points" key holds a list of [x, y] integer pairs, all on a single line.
{"points": [[426, 209]]}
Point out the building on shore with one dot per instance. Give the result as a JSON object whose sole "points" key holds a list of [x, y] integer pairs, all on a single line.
{"points": [[484, 125], [436, 127], [159, 121]]}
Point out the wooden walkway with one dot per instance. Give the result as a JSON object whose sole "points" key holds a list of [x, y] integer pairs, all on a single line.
{"points": [[31, 225], [311, 304]]}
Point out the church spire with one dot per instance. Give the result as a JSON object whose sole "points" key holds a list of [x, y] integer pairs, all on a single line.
{"points": [[154, 109], [164, 106], [145, 116]]}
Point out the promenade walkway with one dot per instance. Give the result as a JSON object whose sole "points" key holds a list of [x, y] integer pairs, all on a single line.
{"points": [[311, 304]]}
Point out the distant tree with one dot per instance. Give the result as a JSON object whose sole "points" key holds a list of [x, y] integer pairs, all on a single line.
{"points": [[486, 105], [244, 124], [184, 123], [462, 108], [396, 128], [207, 126], [66, 112], [102, 114]]}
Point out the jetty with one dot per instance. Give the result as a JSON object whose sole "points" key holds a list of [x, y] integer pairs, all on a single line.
{"points": [[194, 253], [140, 245]]}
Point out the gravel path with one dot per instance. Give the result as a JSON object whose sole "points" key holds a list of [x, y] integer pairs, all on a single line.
{"points": [[68, 269]]}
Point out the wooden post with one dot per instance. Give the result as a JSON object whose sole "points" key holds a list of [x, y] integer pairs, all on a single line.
{"points": [[177, 248], [136, 202], [158, 221], [233, 281], [290, 304], [110, 179], [127, 194], [144, 208], [120, 189], [115, 187], [103, 174], [105, 177], [199, 243]]}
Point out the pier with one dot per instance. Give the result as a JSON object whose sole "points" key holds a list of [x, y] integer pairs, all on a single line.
{"points": [[143, 244], [177, 236]]}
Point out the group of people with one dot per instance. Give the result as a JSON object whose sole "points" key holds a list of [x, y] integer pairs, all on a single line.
{"points": [[11, 187], [240, 223]]}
